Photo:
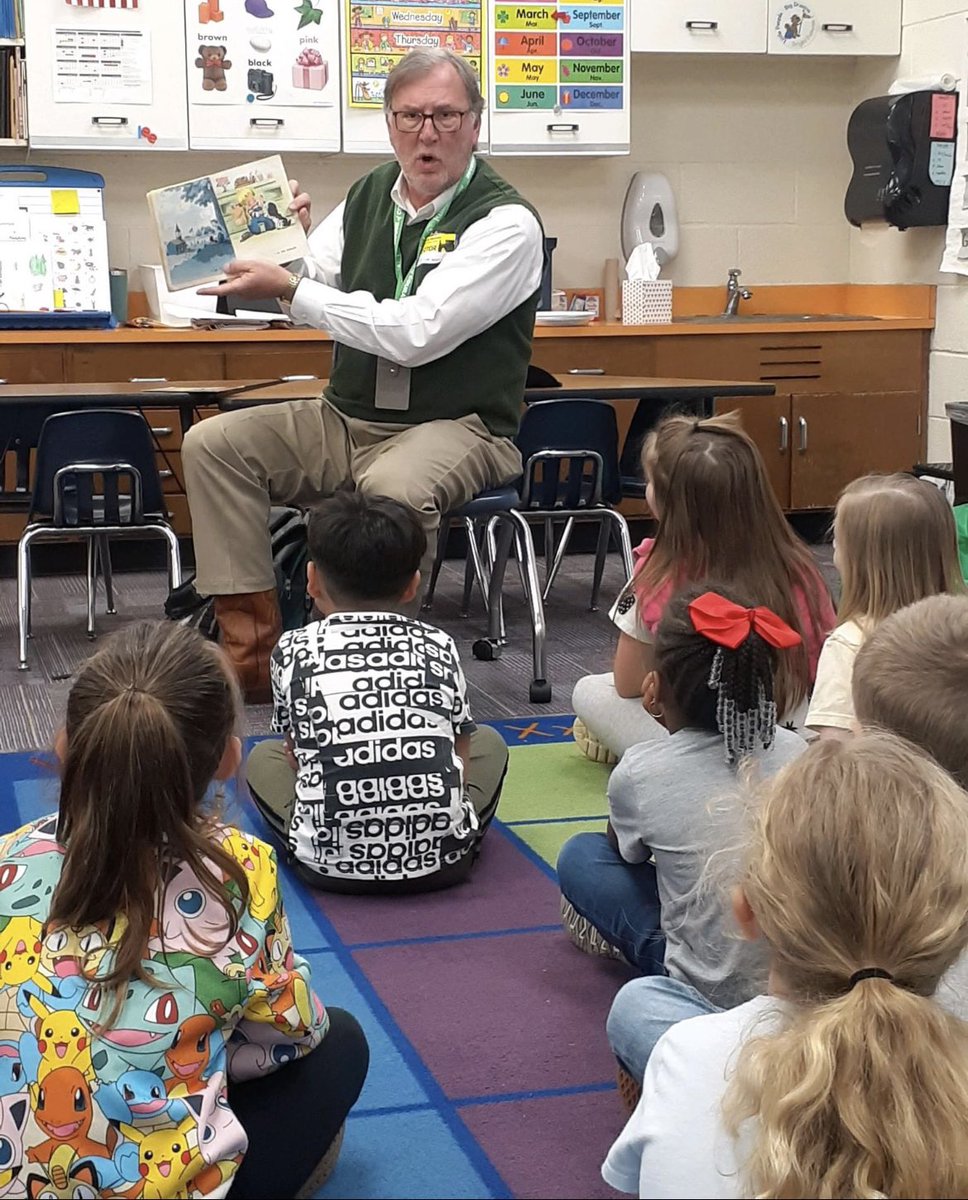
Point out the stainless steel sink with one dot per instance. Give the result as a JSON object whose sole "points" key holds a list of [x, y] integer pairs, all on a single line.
{"points": [[769, 318]]}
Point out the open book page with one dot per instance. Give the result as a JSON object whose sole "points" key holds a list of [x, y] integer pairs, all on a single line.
{"points": [[243, 212]]}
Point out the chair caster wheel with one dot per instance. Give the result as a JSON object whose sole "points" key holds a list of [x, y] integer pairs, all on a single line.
{"points": [[484, 650], [539, 691]]}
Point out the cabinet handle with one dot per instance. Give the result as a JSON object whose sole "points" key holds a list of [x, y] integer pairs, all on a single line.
{"points": [[712, 26], [267, 122], [837, 27], [560, 128], [161, 430], [802, 426], [784, 434], [297, 378], [919, 424], [110, 122], [148, 379], [165, 473]]}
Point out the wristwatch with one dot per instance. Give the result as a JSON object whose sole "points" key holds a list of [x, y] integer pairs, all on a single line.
{"points": [[288, 293]]}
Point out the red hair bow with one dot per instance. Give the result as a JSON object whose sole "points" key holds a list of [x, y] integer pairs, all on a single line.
{"points": [[728, 624]]}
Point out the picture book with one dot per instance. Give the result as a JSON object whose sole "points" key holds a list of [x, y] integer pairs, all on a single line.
{"points": [[204, 223]]}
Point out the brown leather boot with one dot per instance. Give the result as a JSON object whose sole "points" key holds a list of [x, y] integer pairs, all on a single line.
{"points": [[251, 626]]}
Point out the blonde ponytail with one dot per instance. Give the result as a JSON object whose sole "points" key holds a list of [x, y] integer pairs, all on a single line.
{"points": [[859, 861]]}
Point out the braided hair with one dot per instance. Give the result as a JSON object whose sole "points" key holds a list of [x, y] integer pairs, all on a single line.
{"points": [[716, 688]]}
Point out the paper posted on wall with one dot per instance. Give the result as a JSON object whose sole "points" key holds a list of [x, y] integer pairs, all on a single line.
{"points": [[955, 256], [204, 223]]}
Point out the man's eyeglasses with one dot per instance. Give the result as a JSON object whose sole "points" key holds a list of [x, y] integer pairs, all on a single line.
{"points": [[446, 120]]}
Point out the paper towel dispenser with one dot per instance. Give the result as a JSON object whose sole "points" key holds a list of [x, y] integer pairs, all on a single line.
{"points": [[903, 151]]}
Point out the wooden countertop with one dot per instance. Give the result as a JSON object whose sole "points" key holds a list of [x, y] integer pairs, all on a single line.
{"points": [[895, 307]]}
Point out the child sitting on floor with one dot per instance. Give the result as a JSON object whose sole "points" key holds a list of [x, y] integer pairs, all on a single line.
{"points": [[384, 783], [847, 1078], [672, 802], [167, 975], [895, 542], [719, 519]]}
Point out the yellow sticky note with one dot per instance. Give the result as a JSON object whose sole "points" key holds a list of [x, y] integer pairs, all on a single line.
{"points": [[58, 298], [64, 202]]}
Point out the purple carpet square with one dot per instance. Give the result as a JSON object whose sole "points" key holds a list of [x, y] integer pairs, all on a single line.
{"points": [[573, 1132], [505, 891], [514, 1013]]}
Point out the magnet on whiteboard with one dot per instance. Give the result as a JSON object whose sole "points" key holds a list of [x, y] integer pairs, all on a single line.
{"points": [[261, 43]]}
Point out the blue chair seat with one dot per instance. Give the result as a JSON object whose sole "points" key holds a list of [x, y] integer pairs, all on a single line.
{"points": [[486, 504]]}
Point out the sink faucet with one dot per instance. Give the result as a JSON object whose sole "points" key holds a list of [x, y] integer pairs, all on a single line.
{"points": [[734, 293]]}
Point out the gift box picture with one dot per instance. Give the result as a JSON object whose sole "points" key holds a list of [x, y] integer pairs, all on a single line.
{"points": [[310, 70]]}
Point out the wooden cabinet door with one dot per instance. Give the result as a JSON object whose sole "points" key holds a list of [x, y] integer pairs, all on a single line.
{"points": [[32, 364], [767, 420], [836, 437]]}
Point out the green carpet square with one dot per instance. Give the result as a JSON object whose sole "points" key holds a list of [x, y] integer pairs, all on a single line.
{"points": [[547, 837], [545, 782]]}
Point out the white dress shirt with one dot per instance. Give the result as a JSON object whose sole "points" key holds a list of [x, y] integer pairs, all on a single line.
{"points": [[496, 264]]}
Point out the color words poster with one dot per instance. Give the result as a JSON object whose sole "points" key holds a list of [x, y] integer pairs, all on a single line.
{"points": [[263, 55], [560, 56], [381, 34]]}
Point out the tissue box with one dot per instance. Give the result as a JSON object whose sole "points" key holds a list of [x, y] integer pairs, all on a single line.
{"points": [[646, 301], [315, 77]]}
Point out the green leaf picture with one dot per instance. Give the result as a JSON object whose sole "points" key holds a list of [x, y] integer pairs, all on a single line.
{"points": [[308, 15]]}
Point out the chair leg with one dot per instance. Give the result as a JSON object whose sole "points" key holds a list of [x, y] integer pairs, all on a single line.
{"points": [[502, 550], [549, 549], [624, 540], [23, 597], [91, 583], [465, 598], [442, 531], [540, 690], [174, 554], [104, 555], [604, 530], [559, 556]]}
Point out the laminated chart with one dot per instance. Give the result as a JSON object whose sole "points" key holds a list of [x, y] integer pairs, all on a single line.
{"points": [[380, 35], [562, 57]]}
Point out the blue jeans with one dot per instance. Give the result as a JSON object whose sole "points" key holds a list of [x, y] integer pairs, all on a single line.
{"points": [[620, 899], [642, 1012]]}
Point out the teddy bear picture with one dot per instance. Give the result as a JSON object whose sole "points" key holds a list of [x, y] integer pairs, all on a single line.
{"points": [[214, 64]]}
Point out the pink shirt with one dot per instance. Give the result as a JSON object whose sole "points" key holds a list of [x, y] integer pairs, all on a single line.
{"points": [[638, 616]]}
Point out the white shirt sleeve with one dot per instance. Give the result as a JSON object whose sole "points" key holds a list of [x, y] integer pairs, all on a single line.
{"points": [[832, 702], [326, 244], [496, 264]]}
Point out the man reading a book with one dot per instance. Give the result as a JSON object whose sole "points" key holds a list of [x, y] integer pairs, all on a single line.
{"points": [[427, 278]]}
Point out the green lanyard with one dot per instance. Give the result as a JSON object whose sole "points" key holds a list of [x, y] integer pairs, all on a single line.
{"points": [[405, 284]]}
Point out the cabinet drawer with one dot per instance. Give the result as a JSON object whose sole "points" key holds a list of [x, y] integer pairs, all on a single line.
{"points": [[613, 355], [262, 360], [165, 426], [699, 26], [835, 27], [170, 469], [32, 364], [118, 364]]}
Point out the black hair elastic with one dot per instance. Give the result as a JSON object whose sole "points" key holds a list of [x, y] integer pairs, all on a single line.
{"points": [[868, 973]]}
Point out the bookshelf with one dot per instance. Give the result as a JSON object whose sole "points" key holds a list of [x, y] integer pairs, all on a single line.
{"points": [[13, 75]]}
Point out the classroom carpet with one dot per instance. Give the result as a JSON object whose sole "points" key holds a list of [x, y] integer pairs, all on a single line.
{"points": [[490, 1073]]}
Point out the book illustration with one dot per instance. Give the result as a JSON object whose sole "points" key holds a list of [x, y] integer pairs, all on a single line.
{"points": [[204, 223]]}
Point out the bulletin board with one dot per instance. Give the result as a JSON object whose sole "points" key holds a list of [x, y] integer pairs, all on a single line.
{"points": [[53, 249]]}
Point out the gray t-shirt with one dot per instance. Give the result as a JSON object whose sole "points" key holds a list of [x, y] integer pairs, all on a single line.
{"points": [[679, 800]]}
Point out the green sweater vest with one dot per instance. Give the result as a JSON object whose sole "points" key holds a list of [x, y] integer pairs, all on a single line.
{"points": [[484, 375]]}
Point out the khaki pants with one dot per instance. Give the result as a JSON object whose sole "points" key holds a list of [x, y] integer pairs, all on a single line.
{"points": [[237, 465], [272, 782]]}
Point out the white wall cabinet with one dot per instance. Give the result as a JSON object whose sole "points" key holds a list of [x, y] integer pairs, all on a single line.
{"points": [[105, 78], [820, 27], [856, 27], [257, 82], [699, 26]]}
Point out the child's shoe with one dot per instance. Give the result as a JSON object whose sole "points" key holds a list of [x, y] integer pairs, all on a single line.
{"points": [[589, 745], [629, 1091], [584, 935], [325, 1166]]}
